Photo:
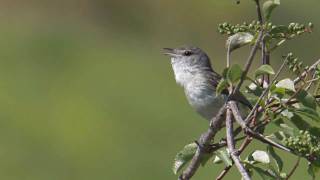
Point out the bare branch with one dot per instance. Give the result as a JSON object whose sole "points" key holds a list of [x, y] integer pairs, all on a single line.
{"points": [[305, 73], [204, 145], [265, 91], [224, 172], [249, 61], [250, 132], [311, 81], [233, 152], [259, 11]]}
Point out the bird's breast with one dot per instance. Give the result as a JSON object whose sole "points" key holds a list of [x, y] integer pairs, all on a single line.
{"points": [[204, 100]]}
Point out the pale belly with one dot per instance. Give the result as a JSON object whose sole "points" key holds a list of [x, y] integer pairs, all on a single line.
{"points": [[206, 103]]}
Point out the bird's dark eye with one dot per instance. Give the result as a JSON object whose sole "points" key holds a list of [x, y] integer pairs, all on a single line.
{"points": [[187, 53]]}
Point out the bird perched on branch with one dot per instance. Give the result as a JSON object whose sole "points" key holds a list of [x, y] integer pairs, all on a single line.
{"points": [[192, 70]]}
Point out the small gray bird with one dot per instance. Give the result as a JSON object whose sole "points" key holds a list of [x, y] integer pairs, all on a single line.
{"points": [[193, 71]]}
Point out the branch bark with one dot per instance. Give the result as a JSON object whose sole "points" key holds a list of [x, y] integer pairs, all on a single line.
{"points": [[249, 61], [230, 143], [305, 73], [204, 144], [258, 136], [265, 91]]}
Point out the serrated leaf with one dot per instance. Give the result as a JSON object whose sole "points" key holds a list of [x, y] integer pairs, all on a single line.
{"points": [[222, 85], [224, 156], [238, 40], [183, 157], [268, 7], [234, 73], [306, 99], [286, 84], [264, 69], [276, 157], [260, 156]]}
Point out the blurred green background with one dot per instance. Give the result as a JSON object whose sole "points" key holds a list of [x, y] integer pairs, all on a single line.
{"points": [[86, 93]]}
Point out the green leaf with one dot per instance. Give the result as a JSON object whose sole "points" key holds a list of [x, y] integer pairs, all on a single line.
{"points": [[264, 174], [222, 85], [260, 156], [281, 29], [279, 91], [224, 72], [289, 130], [234, 73], [312, 170], [300, 122], [280, 135], [205, 158], [238, 40], [286, 84], [268, 7], [224, 156], [276, 157], [183, 157], [305, 112], [286, 113], [217, 160], [254, 89], [315, 131], [306, 99], [264, 69]]}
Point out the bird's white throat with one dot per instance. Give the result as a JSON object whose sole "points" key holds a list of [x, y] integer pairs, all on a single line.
{"points": [[182, 72]]}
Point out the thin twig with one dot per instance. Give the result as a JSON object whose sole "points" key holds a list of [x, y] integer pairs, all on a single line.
{"points": [[204, 145], [229, 53], [224, 172], [305, 73], [258, 136], [265, 91], [311, 81], [248, 140], [245, 143], [294, 168], [222, 143], [230, 143], [249, 62], [277, 45], [259, 11]]}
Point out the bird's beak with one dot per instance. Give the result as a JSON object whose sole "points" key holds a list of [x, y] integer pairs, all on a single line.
{"points": [[169, 52]]}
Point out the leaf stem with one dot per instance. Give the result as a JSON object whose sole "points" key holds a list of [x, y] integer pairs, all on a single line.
{"points": [[294, 168]]}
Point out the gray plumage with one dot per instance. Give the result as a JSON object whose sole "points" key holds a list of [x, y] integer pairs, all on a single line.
{"points": [[193, 71]]}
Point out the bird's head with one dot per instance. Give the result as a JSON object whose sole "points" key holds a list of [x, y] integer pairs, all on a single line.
{"points": [[188, 56], [188, 61]]}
